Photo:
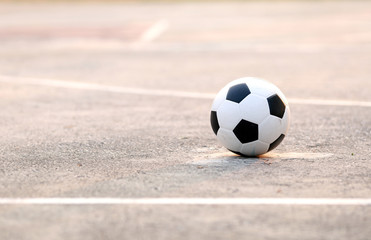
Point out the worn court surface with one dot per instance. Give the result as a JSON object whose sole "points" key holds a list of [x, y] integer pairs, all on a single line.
{"points": [[67, 133]]}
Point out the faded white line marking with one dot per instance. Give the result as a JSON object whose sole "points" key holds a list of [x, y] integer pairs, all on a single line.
{"points": [[297, 155], [329, 102], [230, 159], [186, 201], [154, 31], [103, 88], [159, 92]]}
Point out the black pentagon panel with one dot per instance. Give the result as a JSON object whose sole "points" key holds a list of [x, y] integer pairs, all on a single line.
{"points": [[214, 122], [238, 92], [276, 142], [276, 106], [246, 131]]}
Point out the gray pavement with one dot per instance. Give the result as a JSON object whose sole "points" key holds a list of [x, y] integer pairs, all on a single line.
{"points": [[60, 142]]}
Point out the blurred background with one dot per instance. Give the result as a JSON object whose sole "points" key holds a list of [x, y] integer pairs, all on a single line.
{"points": [[301, 44]]}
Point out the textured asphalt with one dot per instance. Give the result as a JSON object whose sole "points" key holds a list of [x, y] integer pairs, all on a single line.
{"points": [[60, 142]]}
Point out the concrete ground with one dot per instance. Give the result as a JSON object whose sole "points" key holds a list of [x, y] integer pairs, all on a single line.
{"points": [[79, 137]]}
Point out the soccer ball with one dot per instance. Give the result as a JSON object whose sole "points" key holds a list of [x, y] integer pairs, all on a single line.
{"points": [[250, 116]]}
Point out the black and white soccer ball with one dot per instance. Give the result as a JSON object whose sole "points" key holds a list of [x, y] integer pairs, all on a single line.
{"points": [[250, 116]]}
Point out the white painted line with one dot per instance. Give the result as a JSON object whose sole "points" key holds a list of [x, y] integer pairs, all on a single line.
{"points": [[187, 201], [154, 31], [159, 92], [103, 88], [329, 102]]}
